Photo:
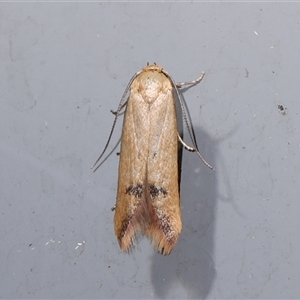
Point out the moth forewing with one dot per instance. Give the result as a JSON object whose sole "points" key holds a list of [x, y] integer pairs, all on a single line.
{"points": [[162, 175], [129, 214]]}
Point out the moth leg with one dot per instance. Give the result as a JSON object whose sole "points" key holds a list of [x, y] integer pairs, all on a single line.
{"points": [[116, 112], [193, 150], [181, 84], [187, 147]]}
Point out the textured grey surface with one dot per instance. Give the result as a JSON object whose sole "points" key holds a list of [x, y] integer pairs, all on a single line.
{"points": [[65, 65]]}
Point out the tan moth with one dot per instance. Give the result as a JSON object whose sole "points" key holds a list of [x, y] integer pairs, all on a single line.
{"points": [[148, 187]]}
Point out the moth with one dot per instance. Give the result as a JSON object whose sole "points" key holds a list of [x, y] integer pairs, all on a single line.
{"points": [[148, 199]]}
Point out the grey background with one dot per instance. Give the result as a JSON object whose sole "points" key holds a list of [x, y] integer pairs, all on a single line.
{"points": [[65, 65]]}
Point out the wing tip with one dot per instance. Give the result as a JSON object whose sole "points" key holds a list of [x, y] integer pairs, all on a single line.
{"points": [[162, 242]]}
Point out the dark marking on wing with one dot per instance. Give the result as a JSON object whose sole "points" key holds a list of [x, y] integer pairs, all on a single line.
{"points": [[136, 190], [154, 191], [124, 227], [166, 226]]}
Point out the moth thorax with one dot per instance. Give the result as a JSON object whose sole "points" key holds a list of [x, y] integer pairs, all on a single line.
{"points": [[152, 85]]}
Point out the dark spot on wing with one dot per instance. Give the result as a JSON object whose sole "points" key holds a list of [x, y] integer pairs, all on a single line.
{"points": [[166, 226], [136, 190], [155, 191], [124, 227]]}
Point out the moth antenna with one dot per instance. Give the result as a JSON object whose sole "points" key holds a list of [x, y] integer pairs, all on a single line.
{"points": [[122, 104], [185, 116]]}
